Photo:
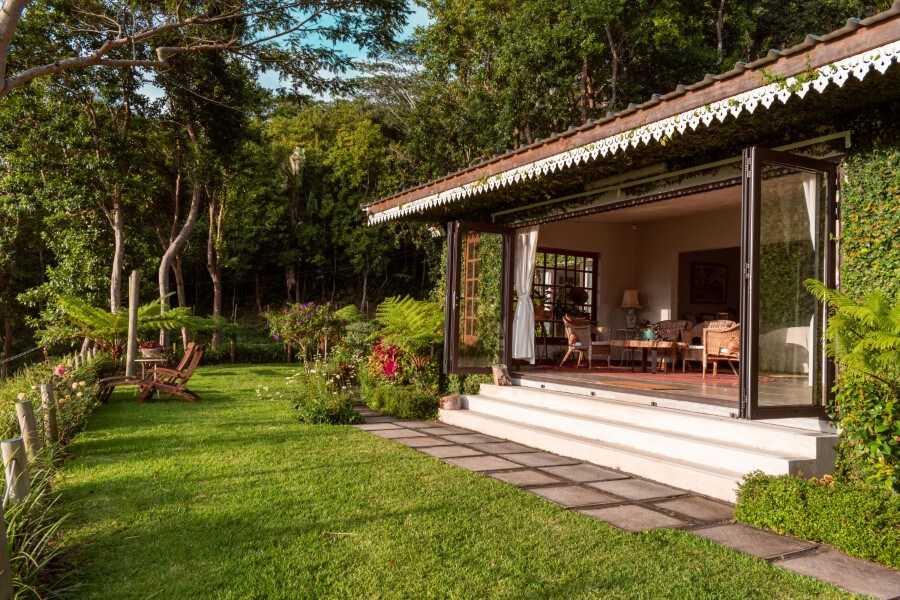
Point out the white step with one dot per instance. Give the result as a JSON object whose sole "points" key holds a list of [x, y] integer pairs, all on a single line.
{"points": [[766, 437], [693, 447], [704, 479]]}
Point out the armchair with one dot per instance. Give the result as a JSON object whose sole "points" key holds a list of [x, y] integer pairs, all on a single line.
{"points": [[721, 345]]}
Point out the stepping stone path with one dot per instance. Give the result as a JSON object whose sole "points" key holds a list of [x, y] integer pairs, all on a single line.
{"points": [[629, 502]]}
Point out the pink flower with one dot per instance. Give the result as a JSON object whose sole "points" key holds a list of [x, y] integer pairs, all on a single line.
{"points": [[59, 370]]}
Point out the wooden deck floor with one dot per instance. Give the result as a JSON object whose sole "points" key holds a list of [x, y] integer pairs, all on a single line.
{"points": [[721, 389]]}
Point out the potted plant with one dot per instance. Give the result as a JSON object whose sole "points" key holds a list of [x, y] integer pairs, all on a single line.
{"points": [[150, 349]]}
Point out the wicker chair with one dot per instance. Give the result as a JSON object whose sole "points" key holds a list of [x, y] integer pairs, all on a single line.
{"points": [[671, 330], [721, 345], [579, 338], [693, 337]]}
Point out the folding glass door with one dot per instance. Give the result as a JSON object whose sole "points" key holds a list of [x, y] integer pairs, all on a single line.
{"points": [[788, 222], [478, 295]]}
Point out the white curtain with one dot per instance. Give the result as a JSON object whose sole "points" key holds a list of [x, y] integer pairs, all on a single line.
{"points": [[523, 321], [811, 195]]}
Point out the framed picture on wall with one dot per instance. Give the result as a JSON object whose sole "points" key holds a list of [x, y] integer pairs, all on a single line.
{"points": [[709, 283]]}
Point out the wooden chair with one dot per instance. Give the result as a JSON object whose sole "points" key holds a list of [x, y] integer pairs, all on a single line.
{"points": [[721, 345], [173, 381], [109, 384], [580, 342]]}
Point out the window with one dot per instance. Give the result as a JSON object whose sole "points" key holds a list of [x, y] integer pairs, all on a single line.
{"points": [[564, 283], [469, 312]]}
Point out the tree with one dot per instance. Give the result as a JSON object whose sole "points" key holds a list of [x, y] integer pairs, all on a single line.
{"points": [[39, 38]]}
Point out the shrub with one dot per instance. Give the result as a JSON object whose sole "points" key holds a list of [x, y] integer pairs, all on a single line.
{"points": [[318, 394], [33, 531], [410, 401], [864, 339], [856, 517], [467, 384], [307, 326]]}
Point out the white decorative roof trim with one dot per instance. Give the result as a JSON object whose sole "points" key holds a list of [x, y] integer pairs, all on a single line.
{"points": [[837, 73]]}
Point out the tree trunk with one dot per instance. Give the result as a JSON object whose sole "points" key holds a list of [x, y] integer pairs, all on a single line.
{"points": [[365, 286], [720, 33], [614, 66], [258, 293], [212, 262], [7, 345], [117, 221], [174, 249], [290, 281], [181, 294]]}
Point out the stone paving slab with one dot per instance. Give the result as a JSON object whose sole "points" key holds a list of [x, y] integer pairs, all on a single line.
{"points": [[541, 459], [450, 451], [472, 438], [632, 517], [445, 430], [378, 419], [416, 424], [574, 495], [482, 463], [424, 442], [852, 574], [501, 448], [377, 426], [584, 472], [525, 478], [636, 489], [757, 542], [699, 509], [400, 432]]}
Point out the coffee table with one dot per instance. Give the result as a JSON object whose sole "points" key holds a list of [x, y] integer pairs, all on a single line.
{"points": [[670, 349]]}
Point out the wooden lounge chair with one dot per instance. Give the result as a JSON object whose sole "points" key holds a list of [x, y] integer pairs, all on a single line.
{"points": [[109, 384], [173, 381]]}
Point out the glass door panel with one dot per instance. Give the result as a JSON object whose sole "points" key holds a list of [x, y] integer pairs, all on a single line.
{"points": [[791, 250], [480, 328], [789, 219]]}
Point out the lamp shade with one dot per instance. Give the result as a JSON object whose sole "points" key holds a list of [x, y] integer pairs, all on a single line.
{"points": [[630, 299]]}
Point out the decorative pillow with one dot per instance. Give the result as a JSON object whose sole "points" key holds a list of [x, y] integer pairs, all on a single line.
{"points": [[734, 347]]}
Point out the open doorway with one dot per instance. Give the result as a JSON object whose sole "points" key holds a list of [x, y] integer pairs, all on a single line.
{"points": [[648, 279]]}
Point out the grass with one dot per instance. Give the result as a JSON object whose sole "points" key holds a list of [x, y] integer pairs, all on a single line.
{"points": [[232, 498]]}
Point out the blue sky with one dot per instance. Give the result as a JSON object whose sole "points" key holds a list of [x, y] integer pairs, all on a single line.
{"points": [[270, 79]]}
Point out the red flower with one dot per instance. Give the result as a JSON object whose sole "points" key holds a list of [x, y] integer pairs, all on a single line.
{"points": [[389, 368]]}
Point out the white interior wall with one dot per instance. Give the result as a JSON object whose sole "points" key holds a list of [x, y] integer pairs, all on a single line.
{"points": [[643, 255], [658, 246], [616, 245]]}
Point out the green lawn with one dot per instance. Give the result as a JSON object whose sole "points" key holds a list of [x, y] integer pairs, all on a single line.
{"points": [[231, 498]]}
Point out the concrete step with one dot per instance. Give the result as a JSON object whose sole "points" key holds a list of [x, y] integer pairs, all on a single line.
{"points": [[692, 447], [766, 437], [702, 478]]}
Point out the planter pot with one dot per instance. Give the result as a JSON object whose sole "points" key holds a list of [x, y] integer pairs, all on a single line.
{"points": [[151, 352], [451, 402]]}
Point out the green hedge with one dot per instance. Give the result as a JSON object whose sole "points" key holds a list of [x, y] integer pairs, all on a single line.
{"points": [[410, 401], [861, 520]]}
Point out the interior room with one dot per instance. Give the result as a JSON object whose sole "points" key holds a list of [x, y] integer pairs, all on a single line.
{"points": [[673, 264]]}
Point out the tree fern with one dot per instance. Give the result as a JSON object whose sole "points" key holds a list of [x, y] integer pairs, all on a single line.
{"points": [[863, 336], [412, 325]]}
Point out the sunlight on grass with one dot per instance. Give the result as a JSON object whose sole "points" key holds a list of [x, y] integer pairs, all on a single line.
{"points": [[232, 498]]}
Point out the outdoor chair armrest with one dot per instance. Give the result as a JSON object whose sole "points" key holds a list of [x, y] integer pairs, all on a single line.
{"points": [[165, 371]]}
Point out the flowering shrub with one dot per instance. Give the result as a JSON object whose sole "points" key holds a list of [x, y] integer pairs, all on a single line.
{"points": [[308, 326], [318, 393], [384, 362]]}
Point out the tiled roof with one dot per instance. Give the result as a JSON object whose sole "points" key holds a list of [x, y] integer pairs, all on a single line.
{"points": [[855, 37]]}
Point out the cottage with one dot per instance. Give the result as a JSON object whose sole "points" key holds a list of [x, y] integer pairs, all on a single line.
{"points": [[643, 276]]}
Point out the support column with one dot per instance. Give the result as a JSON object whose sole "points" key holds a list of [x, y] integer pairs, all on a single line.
{"points": [[134, 282]]}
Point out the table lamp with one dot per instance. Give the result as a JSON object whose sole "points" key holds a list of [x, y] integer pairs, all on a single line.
{"points": [[631, 303]]}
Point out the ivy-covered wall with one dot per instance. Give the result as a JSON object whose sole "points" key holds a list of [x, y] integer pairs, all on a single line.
{"points": [[870, 219]]}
